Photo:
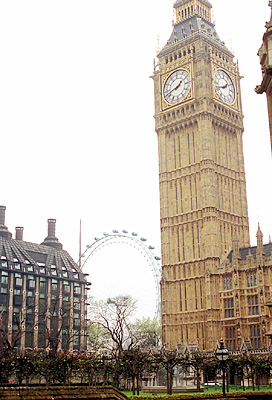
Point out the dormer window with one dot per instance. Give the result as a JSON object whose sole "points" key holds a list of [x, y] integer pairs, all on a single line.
{"points": [[4, 264]]}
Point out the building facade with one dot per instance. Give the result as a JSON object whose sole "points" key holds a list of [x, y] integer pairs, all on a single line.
{"points": [[42, 293], [203, 202], [265, 54]]}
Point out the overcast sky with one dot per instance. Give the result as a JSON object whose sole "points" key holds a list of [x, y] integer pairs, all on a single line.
{"points": [[77, 127]]}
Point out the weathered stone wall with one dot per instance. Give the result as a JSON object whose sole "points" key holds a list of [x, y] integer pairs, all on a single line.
{"points": [[61, 392]]}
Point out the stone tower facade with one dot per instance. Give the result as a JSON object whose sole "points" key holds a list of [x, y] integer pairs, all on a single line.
{"points": [[203, 202], [265, 54]]}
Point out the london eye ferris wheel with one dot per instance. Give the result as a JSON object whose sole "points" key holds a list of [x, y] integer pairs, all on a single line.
{"points": [[123, 263]]}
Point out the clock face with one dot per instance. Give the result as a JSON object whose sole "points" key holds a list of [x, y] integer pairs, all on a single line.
{"points": [[177, 86], [224, 86]]}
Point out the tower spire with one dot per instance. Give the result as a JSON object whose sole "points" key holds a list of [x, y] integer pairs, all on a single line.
{"points": [[186, 9]]}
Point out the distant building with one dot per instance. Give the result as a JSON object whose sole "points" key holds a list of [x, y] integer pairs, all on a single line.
{"points": [[42, 292]]}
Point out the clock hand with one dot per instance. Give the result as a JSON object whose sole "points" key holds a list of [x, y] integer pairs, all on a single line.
{"points": [[223, 87], [175, 88]]}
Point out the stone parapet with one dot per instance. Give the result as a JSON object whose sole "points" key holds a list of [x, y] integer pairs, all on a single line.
{"points": [[61, 392]]}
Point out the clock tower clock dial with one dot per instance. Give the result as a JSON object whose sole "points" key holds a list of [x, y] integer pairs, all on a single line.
{"points": [[177, 87], [224, 86], [203, 203]]}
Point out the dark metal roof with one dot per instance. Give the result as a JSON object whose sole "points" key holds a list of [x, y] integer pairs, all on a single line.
{"points": [[244, 252], [38, 259], [189, 29]]}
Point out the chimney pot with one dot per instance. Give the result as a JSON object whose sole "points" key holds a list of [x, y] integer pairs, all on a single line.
{"points": [[2, 215], [19, 230], [51, 239], [51, 227], [3, 229]]}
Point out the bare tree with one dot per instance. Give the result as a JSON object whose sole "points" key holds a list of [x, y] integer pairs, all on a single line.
{"points": [[113, 316]]}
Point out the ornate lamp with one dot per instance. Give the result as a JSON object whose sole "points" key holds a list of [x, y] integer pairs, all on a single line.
{"points": [[222, 354]]}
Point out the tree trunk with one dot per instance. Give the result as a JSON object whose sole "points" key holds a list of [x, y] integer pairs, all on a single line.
{"points": [[138, 386], [198, 380], [170, 381], [253, 383], [167, 380], [133, 385]]}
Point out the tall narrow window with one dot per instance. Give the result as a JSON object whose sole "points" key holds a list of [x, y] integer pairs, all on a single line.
{"points": [[183, 243], [195, 296], [181, 205], [201, 300], [255, 336], [229, 308], [194, 152], [179, 151], [180, 298], [175, 155], [253, 305], [185, 295], [189, 150], [196, 193], [231, 338]]}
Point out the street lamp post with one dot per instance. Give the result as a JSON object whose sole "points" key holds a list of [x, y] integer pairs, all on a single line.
{"points": [[222, 355]]}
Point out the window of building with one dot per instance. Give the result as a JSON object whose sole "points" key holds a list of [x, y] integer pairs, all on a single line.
{"points": [[76, 338], [251, 280], [54, 285], [4, 277], [229, 308], [253, 307], [66, 287], [77, 290], [18, 300], [42, 284], [17, 266], [77, 304], [227, 283], [4, 264], [255, 336], [231, 338], [18, 281], [31, 282]]}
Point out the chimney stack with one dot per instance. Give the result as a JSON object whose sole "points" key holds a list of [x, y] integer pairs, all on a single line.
{"points": [[51, 239], [19, 230], [3, 229], [51, 227]]}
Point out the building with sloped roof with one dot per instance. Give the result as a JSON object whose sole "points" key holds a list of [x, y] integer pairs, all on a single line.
{"points": [[42, 292]]}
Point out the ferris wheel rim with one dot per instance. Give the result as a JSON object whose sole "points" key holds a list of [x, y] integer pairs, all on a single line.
{"points": [[139, 243]]}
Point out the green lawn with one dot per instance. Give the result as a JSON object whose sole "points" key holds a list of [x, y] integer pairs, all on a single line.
{"points": [[210, 391]]}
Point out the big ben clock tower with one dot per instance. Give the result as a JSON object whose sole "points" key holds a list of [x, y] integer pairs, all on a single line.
{"points": [[203, 204]]}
